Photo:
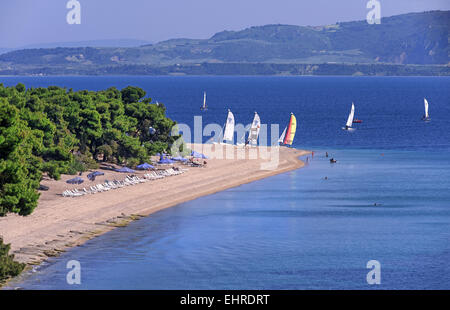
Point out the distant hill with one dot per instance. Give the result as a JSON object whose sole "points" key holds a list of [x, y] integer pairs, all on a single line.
{"points": [[4, 50], [408, 39], [89, 43]]}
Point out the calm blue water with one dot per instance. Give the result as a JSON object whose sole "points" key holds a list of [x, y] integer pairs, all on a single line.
{"points": [[295, 230]]}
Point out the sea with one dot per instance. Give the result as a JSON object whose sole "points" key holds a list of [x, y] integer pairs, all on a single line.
{"points": [[379, 218]]}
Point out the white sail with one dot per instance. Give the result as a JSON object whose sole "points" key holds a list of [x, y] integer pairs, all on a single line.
{"points": [[229, 127], [254, 130], [204, 100], [351, 116], [282, 136], [426, 107]]}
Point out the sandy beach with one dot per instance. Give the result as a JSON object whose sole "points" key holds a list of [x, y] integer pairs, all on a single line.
{"points": [[61, 222]]}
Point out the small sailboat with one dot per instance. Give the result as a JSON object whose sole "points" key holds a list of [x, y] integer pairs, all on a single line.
{"points": [[287, 137], [204, 107], [426, 117], [281, 139], [228, 133], [348, 125], [254, 130]]}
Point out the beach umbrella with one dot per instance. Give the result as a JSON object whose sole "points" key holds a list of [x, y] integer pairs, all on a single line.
{"points": [[145, 166], [125, 170], [76, 180], [165, 161], [43, 188], [198, 155], [179, 158], [91, 176]]}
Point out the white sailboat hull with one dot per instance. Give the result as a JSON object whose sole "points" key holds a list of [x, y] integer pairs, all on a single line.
{"points": [[426, 117], [348, 129]]}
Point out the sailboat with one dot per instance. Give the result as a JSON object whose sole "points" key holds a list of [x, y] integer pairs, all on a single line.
{"points": [[348, 125], [281, 139], [426, 117], [228, 133], [204, 107], [287, 137], [254, 130]]}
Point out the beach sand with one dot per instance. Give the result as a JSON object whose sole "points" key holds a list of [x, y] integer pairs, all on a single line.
{"points": [[61, 222]]}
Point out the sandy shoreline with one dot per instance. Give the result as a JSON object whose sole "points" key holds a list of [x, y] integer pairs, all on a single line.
{"points": [[60, 222]]}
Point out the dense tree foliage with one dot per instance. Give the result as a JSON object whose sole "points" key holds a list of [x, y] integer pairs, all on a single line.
{"points": [[8, 267], [54, 130]]}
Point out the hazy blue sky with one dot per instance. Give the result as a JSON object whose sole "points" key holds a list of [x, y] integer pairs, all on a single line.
{"points": [[24, 22]]}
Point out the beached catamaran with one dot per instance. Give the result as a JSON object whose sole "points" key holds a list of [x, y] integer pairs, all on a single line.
{"points": [[204, 107], [287, 137], [348, 125], [426, 117], [228, 133], [254, 130]]}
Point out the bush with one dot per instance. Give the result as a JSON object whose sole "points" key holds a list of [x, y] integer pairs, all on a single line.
{"points": [[8, 267]]}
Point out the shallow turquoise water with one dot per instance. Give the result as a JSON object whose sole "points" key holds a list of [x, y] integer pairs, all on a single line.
{"points": [[295, 230]]}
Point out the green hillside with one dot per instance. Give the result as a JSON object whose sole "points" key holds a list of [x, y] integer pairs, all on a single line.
{"points": [[415, 38]]}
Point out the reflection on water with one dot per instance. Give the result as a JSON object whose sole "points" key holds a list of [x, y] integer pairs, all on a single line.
{"points": [[291, 231]]}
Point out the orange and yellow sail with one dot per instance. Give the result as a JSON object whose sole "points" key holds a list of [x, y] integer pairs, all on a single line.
{"points": [[290, 134]]}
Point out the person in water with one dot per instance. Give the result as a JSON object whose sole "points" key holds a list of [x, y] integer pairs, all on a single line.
{"points": [[326, 154]]}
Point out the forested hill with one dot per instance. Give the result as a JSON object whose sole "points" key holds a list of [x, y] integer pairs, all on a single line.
{"points": [[415, 39]]}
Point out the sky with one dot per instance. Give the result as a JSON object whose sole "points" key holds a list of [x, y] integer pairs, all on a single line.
{"points": [[26, 22]]}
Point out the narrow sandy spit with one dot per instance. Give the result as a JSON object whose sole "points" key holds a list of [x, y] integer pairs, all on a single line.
{"points": [[59, 222]]}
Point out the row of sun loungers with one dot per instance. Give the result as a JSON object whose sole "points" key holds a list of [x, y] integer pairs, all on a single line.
{"points": [[128, 181]]}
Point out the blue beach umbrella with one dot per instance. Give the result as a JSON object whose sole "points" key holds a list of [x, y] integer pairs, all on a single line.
{"points": [[125, 170], [76, 180], [165, 161], [179, 158], [198, 155], [145, 166], [91, 176]]}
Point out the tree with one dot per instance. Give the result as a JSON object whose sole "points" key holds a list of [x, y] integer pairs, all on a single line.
{"points": [[8, 267], [55, 131], [132, 94]]}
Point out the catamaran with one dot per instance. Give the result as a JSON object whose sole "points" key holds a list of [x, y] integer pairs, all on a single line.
{"points": [[348, 125], [204, 107], [254, 130], [287, 137], [228, 133], [426, 117]]}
